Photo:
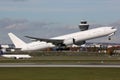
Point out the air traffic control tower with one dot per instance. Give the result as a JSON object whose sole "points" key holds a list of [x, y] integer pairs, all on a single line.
{"points": [[83, 25]]}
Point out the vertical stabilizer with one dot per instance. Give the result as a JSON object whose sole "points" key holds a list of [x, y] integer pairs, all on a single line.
{"points": [[16, 41]]}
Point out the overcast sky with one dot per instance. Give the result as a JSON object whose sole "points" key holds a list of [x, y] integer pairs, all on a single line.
{"points": [[49, 18]]}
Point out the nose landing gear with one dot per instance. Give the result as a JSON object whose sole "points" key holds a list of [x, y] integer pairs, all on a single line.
{"points": [[109, 38]]}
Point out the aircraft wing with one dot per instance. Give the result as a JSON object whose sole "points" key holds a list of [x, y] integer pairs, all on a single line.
{"points": [[54, 41]]}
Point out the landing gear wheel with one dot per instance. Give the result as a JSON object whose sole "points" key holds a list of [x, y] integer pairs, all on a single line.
{"points": [[109, 38]]}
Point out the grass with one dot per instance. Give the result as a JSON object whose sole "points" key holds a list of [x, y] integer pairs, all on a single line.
{"points": [[62, 61], [59, 73], [65, 60]]}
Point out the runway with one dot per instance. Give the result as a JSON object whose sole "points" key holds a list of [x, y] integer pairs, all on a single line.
{"points": [[37, 65]]}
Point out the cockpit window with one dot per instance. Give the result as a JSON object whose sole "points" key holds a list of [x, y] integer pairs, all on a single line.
{"points": [[113, 27]]}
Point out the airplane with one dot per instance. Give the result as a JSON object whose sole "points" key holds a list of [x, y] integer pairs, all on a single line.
{"points": [[77, 38], [16, 56]]}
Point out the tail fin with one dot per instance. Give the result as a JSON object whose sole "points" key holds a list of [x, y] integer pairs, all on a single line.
{"points": [[16, 41]]}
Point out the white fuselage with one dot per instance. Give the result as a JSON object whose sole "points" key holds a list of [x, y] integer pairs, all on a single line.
{"points": [[88, 34], [78, 36]]}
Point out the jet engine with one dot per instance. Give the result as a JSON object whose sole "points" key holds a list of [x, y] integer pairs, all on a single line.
{"points": [[80, 43], [69, 41], [73, 41]]}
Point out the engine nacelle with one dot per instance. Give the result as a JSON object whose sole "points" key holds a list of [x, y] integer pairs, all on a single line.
{"points": [[80, 43], [69, 41], [73, 41]]}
